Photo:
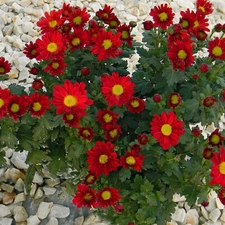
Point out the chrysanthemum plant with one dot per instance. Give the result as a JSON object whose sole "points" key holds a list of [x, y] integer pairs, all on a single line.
{"points": [[122, 143]]}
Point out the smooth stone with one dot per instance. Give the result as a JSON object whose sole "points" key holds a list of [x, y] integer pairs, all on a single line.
{"points": [[214, 215], [44, 209], [49, 190], [21, 197], [219, 204], [39, 193], [20, 214], [192, 220], [15, 174], [91, 219], [7, 187], [33, 220], [52, 221], [52, 182], [79, 220], [19, 185], [20, 63], [4, 211], [33, 190], [59, 211], [6, 221], [179, 215], [212, 205], [18, 158], [178, 198], [222, 218], [38, 179], [204, 212], [8, 198]]}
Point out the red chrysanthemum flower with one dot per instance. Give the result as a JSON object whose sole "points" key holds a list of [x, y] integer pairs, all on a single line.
{"points": [[215, 138], [102, 158], [5, 66], [182, 36], [34, 71], [86, 133], [71, 119], [135, 105], [204, 7], [132, 160], [51, 46], [221, 195], [209, 101], [70, 98], [105, 44], [125, 33], [104, 13], [187, 19], [201, 23], [78, 17], [106, 117], [174, 100], [4, 100], [66, 10], [30, 50], [50, 21], [78, 39], [162, 16], [207, 153], [108, 196], [181, 54], [216, 48], [218, 168], [142, 139], [55, 67], [166, 129], [38, 104], [37, 84], [117, 90], [85, 196], [17, 106], [113, 21], [112, 132], [90, 179]]}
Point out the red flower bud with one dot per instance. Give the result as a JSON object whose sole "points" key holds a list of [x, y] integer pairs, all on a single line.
{"points": [[142, 139], [119, 208], [195, 76], [205, 204], [37, 84], [196, 131], [33, 71], [207, 153], [204, 68], [148, 25], [157, 98], [218, 27], [85, 71]]}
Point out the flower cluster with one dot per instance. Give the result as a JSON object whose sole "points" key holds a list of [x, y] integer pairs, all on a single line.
{"points": [[127, 138]]}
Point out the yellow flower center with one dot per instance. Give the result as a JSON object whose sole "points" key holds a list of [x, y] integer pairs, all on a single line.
{"points": [[125, 34], [113, 133], [2, 69], [201, 8], [52, 47], [174, 99], [117, 89], [217, 51], [76, 41], [107, 118], [70, 101], [2, 102], [166, 129], [107, 44], [52, 23], [90, 179], [135, 103], [103, 159], [69, 116], [163, 16], [184, 23], [114, 23], [106, 195], [106, 15], [130, 160], [33, 52], [37, 106], [196, 24], [86, 133], [182, 54], [215, 139], [15, 107], [88, 197], [77, 20], [222, 167], [55, 65]]}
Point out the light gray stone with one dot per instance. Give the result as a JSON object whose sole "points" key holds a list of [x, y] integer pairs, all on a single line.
{"points": [[38, 179], [79, 220], [21, 197], [214, 214], [44, 209], [179, 215], [18, 158], [59, 211], [20, 214], [49, 190], [4, 211], [33, 220], [6, 221], [52, 221]]}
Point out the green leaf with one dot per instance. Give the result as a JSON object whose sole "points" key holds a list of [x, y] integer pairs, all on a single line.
{"points": [[29, 177], [124, 174], [37, 156]]}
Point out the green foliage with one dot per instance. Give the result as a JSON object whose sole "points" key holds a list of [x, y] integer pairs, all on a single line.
{"points": [[146, 193]]}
